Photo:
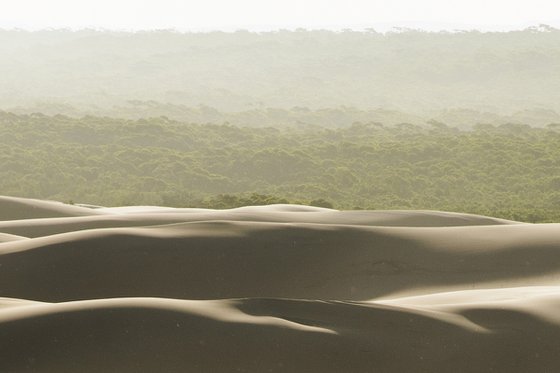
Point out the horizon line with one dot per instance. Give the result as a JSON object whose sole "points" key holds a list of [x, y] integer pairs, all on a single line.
{"points": [[379, 27]]}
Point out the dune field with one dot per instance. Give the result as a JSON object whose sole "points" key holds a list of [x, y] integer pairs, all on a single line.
{"points": [[279, 288]]}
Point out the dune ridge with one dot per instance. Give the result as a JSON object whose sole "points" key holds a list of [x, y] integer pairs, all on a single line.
{"points": [[275, 288], [277, 335], [130, 217], [14, 208]]}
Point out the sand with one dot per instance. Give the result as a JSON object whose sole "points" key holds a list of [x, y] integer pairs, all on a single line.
{"points": [[12, 208], [276, 288]]}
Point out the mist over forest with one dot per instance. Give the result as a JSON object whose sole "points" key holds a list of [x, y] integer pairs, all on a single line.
{"points": [[459, 121], [286, 77]]}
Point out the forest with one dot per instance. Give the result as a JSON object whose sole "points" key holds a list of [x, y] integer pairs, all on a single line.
{"points": [[464, 121], [460, 76], [507, 170]]}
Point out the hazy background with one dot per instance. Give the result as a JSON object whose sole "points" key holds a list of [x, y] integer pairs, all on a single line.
{"points": [[446, 105], [411, 76], [218, 61]]}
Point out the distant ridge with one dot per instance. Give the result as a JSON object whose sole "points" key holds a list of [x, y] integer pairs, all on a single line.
{"points": [[407, 70]]}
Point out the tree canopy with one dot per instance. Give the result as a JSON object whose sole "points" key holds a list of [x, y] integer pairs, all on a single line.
{"points": [[510, 171]]}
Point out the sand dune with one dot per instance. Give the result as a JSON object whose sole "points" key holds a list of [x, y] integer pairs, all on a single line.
{"points": [[13, 208], [280, 335], [6, 237], [148, 216], [207, 260], [279, 288]]}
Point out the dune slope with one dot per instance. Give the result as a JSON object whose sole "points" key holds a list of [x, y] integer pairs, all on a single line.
{"points": [[207, 260], [274, 289], [278, 335], [130, 217], [14, 208]]}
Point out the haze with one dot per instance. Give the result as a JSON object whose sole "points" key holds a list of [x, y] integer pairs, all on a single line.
{"points": [[267, 15]]}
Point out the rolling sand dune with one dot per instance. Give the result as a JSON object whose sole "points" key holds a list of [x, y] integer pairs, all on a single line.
{"points": [[280, 335], [207, 260], [129, 217], [276, 289], [13, 208]]}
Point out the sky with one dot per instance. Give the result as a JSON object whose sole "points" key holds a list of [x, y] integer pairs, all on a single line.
{"points": [[262, 15]]}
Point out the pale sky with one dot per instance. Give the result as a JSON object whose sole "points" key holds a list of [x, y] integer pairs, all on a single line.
{"points": [[228, 15]]}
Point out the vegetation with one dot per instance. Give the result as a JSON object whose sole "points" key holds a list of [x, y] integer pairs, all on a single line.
{"points": [[510, 171], [163, 72]]}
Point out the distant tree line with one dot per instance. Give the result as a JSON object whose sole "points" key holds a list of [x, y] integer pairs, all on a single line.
{"points": [[509, 170], [100, 72]]}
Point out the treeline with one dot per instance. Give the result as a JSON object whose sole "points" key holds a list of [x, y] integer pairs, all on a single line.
{"points": [[510, 171], [332, 117], [411, 71]]}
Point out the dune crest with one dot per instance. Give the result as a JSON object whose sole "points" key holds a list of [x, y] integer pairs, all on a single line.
{"points": [[14, 208], [31, 219]]}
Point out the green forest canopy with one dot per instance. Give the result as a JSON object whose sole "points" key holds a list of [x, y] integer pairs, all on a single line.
{"points": [[509, 170]]}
